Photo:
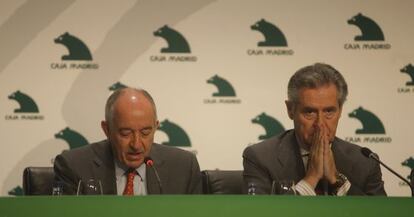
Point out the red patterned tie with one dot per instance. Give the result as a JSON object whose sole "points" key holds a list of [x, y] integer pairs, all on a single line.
{"points": [[129, 187]]}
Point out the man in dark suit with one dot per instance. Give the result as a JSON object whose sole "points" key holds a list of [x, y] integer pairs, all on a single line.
{"points": [[120, 162], [311, 155]]}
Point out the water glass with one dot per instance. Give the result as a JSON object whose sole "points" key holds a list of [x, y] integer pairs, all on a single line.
{"points": [[283, 187], [89, 187]]}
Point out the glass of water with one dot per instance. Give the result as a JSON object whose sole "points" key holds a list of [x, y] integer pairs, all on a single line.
{"points": [[57, 189], [283, 187], [89, 187]]}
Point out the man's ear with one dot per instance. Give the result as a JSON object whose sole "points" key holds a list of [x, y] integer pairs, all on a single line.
{"points": [[105, 128], [157, 124], [290, 108]]}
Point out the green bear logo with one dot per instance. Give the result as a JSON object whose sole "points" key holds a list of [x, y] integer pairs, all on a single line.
{"points": [[369, 28], [271, 125], [274, 37], [27, 104], [176, 135], [176, 41], [16, 191], [409, 69], [116, 86], [73, 138], [371, 124], [77, 49], [409, 163], [223, 86]]}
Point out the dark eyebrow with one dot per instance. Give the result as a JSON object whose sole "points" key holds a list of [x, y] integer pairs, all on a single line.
{"points": [[329, 108], [309, 109]]}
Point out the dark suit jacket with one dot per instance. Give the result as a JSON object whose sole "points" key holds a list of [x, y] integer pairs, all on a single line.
{"points": [[278, 158], [178, 169]]}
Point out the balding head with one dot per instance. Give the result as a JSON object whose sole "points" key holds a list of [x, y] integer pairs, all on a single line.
{"points": [[127, 95]]}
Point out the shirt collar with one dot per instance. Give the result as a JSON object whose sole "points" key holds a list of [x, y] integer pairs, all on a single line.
{"points": [[121, 169], [303, 151]]}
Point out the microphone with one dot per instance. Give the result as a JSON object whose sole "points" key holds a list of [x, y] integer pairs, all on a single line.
{"points": [[369, 154], [150, 163]]}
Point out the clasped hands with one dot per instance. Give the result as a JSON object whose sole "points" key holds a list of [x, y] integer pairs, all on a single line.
{"points": [[321, 163]]}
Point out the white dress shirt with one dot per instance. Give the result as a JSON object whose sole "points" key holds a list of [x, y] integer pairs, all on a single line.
{"points": [[140, 184]]}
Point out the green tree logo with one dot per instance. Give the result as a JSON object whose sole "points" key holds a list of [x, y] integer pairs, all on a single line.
{"points": [[274, 37], [176, 41], [271, 125], [371, 124], [73, 138], [176, 135], [223, 86], [409, 70], [77, 49], [27, 104], [369, 28]]}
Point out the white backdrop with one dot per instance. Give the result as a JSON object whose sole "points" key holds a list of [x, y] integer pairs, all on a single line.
{"points": [[120, 37]]}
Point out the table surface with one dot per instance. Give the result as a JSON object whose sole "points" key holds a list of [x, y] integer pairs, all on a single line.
{"points": [[205, 206]]}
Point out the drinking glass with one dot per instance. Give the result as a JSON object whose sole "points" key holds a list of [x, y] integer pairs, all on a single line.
{"points": [[57, 188], [89, 187], [283, 187]]}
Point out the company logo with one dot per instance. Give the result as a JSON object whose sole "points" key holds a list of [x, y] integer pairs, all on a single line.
{"points": [[370, 31], [16, 191], [73, 138], [78, 51], [271, 125], [225, 91], [116, 86], [27, 104], [409, 162], [176, 43], [409, 70], [176, 135], [273, 37], [371, 124], [27, 110], [223, 86], [369, 28]]}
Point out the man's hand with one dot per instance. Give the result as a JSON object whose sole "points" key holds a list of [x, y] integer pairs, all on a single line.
{"points": [[329, 167], [315, 163], [321, 162]]}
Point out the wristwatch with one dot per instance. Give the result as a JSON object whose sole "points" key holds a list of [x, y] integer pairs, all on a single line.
{"points": [[340, 180]]}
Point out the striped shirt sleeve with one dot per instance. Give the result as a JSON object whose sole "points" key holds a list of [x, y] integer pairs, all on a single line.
{"points": [[303, 188], [343, 190]]}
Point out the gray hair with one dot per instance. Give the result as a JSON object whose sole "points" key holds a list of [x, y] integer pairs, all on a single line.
{"points": [[109, 107], [315, 76]]}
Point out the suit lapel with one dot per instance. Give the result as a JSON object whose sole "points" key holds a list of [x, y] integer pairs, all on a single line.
{"points": [[103, 167], [289, 158], [152, 182]]}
